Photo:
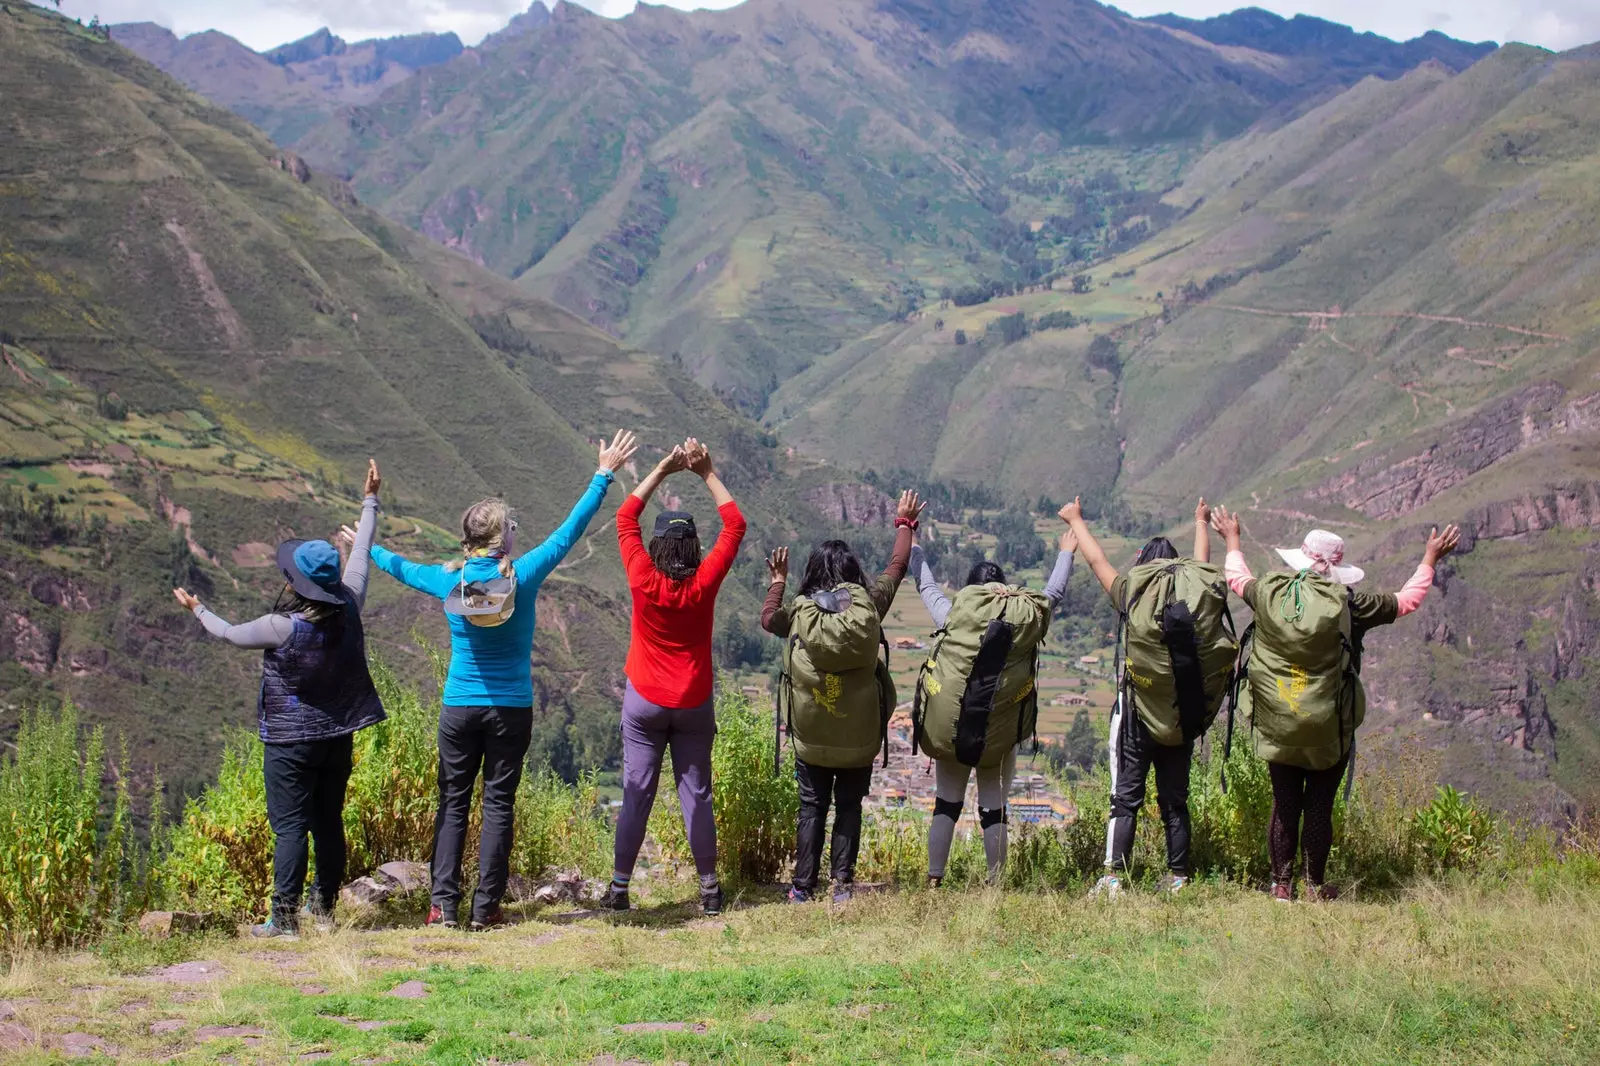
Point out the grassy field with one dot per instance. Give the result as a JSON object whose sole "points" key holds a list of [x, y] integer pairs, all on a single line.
{"points": [[1220, 975]]}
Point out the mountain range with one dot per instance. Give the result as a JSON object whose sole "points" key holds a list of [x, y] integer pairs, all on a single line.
{"points": [[1048, 249]]}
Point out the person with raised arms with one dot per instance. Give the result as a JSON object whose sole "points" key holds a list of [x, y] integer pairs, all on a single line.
{"points": [[836, 694], [977, 694], [668, 702], [485, 726], [1302, 688], [1175, 654], [316, 693]]}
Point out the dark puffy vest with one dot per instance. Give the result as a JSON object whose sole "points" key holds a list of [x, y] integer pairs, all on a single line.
{"points": [[315, 686]]}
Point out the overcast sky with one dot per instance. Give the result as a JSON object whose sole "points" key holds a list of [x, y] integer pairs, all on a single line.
{"points": [[262, 24]]}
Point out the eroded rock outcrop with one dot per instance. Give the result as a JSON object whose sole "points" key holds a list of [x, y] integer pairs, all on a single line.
{"points": [[851, 504], [1386, 486]]}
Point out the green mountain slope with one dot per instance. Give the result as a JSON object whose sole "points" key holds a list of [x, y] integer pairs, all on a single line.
{"points": [[752, 188], [1377, 317], [202, 343]]}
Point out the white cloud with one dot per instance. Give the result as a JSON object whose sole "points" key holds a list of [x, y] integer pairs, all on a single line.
{"points": [[262, 24]]}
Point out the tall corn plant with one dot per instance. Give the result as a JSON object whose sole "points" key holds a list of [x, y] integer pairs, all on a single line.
{"points": [[756, 811], [66, 851]]}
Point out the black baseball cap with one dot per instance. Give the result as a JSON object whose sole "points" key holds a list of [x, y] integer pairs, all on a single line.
{"points": [[675, 525]]}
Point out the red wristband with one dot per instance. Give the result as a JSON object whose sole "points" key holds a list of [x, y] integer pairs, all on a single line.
{"points": [[905, 523]]}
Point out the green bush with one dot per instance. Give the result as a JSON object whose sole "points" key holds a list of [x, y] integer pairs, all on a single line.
{"points": [[1454, 832], [393, 791], [218, 858], [69, 868], [561, 826]]}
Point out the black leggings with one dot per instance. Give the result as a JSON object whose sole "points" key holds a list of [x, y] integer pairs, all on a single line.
{"points": [[1298, 793]]}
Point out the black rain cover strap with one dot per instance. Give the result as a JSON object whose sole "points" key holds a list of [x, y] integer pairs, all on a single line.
{"points": [[977, 702], [1189, 682]]}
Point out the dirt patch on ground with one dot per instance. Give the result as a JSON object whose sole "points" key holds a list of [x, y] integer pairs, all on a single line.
{"points": [[188, 973], [253, 555]]}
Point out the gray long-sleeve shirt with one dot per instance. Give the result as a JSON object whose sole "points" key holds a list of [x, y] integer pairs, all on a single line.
{"points": [[938, 603], [271, 630]]}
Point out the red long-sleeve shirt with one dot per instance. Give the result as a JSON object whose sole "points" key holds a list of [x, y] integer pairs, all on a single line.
{"points": [[669, 658]]}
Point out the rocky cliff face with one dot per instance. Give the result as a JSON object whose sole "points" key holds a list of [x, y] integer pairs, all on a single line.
{"points": [[1391, 485], [851, 504]]}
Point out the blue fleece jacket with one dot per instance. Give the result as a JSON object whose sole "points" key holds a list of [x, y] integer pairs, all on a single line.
{"points": [[489, 666]]}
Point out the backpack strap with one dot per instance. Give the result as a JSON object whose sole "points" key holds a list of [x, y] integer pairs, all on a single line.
{"points": [[1241, 677], [783, 705], [885, 712]]}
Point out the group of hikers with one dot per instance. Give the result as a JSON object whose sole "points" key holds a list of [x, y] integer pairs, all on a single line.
{"points": [[1295, 674]]}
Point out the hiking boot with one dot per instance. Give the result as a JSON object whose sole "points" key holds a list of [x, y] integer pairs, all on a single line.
{"points": [[615, 899], [1322, 893], [488, 921], [843, 893], [1108, 888], [935, 882], [437, 916], [1175, 883], [272, 928], [1281, 893], [711, 901], [797, 895]]}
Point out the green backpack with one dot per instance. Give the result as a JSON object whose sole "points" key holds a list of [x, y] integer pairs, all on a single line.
{"points": [[836, 693], [1178, 647], [977, 694], [1301, 689]]}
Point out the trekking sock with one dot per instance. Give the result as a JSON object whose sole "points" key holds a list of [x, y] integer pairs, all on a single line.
{"points": [[708, 882], [621, 880]]}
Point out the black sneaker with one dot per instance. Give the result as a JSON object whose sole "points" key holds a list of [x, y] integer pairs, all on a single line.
{"points": [[437, 916], [615, 899], [711, 901], [489, 921]]}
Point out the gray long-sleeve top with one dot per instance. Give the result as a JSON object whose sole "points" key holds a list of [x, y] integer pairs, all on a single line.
{"points": [[271, 630], [938, 603]]}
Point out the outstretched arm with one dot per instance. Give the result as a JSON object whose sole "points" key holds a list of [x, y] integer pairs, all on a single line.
{"points": [[1415, 590], [933, 597], [1234, 568], [907, 514], [719, 559], [538, 564], [1202, 531], [1093, 554], [1061, 573], [268, 631], [359, 540], [431, 578], [774, 619]]}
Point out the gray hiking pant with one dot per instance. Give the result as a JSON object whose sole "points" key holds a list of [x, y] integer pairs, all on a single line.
{"points": [[648, 730], [950, 790]]}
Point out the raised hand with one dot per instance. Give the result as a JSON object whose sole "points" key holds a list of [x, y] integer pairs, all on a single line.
{"points": [[1202, 512], [1441, 544], [1072, 512], [910, 505], [374, 482], [778, 565], [699, 457], [1226, 522], [619, 451], [1068, 542], [346, 538], [183, 597], [674, 461]]}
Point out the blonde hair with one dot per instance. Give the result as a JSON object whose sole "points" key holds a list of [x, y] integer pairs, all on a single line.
{"points": [[483, 529]]}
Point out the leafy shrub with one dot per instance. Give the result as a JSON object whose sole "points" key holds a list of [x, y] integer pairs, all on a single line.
{"points": [[219, 856], [393, 791], [1454, 832], [69, 868], [561, 826]]}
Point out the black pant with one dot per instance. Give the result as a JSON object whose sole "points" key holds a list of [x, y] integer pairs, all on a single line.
{"points": [[495, 741], [305, 794], [1297, 794], [846, 789], [1133, 752]]}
